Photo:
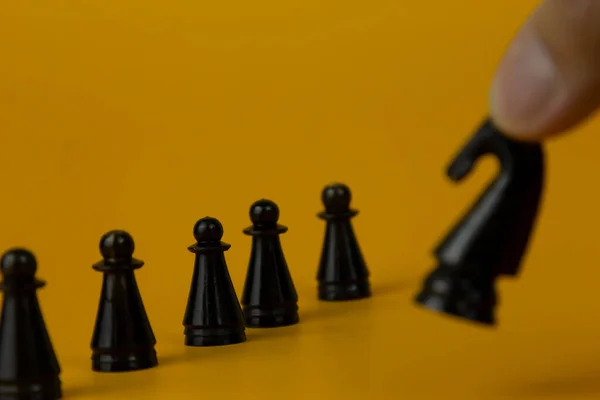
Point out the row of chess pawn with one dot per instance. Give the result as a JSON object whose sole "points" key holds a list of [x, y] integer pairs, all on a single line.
{"points": [[123, 339]]}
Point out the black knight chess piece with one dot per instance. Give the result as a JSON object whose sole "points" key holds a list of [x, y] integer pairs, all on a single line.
{"points": [[343, 274], [213, 316], [29, 369], [270, 298], [491, 239], [123, 339]]}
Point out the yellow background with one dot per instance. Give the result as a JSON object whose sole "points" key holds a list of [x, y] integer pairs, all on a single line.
{"points": [[147, 115]]}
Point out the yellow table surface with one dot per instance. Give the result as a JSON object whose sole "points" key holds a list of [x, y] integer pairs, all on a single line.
{"points": [[147, 115]]}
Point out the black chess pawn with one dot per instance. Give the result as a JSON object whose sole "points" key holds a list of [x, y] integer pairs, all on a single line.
{"points": [[491, 239], [213, 316], [123, 339], [270, 298], [343, 273], [29, 369]]}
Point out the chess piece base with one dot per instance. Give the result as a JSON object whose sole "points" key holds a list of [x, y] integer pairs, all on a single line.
{"points": [[439, 304], [271, 318], [195, 337], [36, 391], [466, 297], [135, 361], [345, 291]]}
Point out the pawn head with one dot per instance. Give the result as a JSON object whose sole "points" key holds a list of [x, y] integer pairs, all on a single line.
{"points": [[117, 245], [264, 213], [336, 198], [208, 229], [18, 263]]}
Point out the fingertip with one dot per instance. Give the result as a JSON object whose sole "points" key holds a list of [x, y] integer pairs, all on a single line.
{"points": [[548, 82], [527, 89]]}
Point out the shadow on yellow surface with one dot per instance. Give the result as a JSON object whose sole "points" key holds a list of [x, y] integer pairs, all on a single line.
{"points": [[560, 383]]}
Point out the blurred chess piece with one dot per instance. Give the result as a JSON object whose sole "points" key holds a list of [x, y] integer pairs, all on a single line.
{"points": [[491, 239], [213, 316], [123, 339], [343, 274], [29, 368], [270, 299]]}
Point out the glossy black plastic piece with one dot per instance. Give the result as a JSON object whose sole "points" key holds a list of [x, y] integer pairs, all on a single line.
{"points": [[29, 369], [491, 239], [269, 299], [123, 339], [213, 316], [343, 274]]}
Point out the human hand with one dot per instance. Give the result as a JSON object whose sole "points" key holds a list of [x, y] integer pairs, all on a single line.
{"points": [[549, 79]]}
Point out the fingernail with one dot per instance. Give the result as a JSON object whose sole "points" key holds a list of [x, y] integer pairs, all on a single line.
{"points": [[525, 86]]}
